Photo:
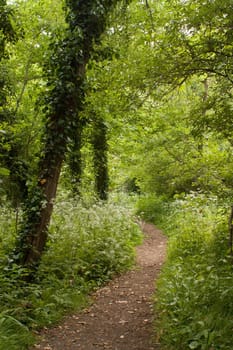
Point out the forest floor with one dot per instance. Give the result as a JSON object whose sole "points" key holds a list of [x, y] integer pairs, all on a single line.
{"points": [[121, 316]]}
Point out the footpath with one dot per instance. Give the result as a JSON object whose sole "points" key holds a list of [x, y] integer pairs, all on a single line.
{"points": [[121, 316]]}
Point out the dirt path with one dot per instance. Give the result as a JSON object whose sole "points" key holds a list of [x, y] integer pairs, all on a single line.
{"points": [[121, 317]]}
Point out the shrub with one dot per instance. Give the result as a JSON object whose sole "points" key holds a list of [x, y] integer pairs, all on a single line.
{"points": [[195, 294]]}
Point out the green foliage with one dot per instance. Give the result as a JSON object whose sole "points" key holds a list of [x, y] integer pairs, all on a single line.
{"points": [[7, 32], [7, 230], [179, 158], [4, 172], [171, 145], [151, 208], [20, 144], [98, 240], [195, 292], [64, 69], [189, 45], [14, 334], [89, 242]]}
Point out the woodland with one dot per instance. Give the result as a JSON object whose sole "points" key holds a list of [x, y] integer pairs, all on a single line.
{"points": [[112, 111]]}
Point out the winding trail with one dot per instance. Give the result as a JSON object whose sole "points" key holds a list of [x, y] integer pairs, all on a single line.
{"points": [[121, 317]]}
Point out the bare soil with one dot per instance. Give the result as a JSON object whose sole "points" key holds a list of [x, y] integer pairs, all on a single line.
{"points": [[121, 316]]}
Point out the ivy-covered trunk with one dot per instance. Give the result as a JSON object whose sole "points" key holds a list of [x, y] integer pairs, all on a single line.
{"points": [[75, 159], [66, 73], [100, 149], [34, 234]]}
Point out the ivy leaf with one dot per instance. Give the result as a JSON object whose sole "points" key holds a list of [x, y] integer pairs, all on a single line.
{"points": [[4, 172]]}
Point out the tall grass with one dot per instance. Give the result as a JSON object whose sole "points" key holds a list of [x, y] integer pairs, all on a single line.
{"points": [[194, 298], [88, 243]]}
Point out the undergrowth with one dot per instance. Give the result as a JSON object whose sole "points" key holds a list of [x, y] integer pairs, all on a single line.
{"points": [[152, 208], [88, 244], [194, 300]]}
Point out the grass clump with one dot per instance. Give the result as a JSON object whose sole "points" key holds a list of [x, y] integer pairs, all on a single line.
{"points": [[14, 335], [195, 293], [88, 244]]}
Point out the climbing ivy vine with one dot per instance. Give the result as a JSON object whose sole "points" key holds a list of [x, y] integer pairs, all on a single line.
{"points": [[65, 70]]}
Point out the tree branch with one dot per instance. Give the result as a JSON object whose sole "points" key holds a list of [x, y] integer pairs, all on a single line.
{"points": [[150, 14]]}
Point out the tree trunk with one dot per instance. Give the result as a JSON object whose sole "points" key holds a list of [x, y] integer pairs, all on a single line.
{"points": [[75, 160], [36, 239], [100, 149], [66, 72]]}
